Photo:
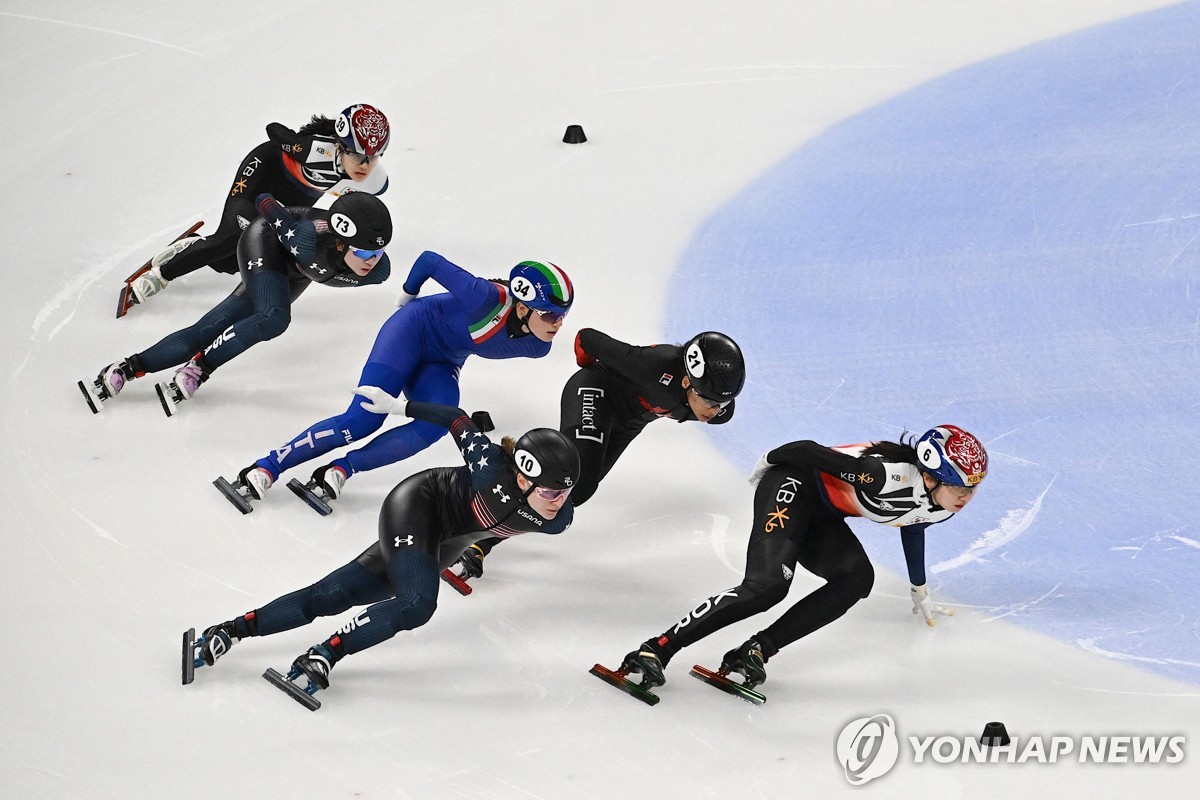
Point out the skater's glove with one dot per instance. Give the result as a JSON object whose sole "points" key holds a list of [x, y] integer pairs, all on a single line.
{"points": [[760, 469], [266, 205], [582, 357], [923, 604], [404, 298], [380, 402]]}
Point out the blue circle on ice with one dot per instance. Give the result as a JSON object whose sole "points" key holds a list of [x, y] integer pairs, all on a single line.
{"points": [[1010, 248]]}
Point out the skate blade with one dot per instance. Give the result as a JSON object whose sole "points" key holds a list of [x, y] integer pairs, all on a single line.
{"points": [[316, 503], [189, 656], [719, 681], [292, 690], [127, 300], [144, 268], [94, 403], [458, 584], [165, 396], [619, 680], [233, 495]]}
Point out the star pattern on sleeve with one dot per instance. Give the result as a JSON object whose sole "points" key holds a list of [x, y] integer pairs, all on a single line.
{"points": [[476, 452]]}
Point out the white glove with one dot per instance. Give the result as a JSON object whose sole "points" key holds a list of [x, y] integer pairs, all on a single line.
{"points": [[380, 402], [403, 299], [760, 469], [923, 604]]}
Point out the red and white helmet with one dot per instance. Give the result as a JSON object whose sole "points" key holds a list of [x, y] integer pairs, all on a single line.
{"points": [[363, 129], [953, 456]]}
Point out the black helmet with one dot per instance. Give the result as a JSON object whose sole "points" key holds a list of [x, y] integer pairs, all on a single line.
{"points": [[547, 458], [715, 366], [361, 220]]}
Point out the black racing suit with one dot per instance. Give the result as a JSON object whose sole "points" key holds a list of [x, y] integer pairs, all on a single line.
{"points": [[424, 524], [296, 168], [619, 389], [800, 507], [280, 254]]}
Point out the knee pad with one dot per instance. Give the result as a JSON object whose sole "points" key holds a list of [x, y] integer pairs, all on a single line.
{"points": [[274, 322], [412, 610], [330, 597], [857, 582]]}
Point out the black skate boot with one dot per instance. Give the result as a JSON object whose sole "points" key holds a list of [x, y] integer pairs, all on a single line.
{"points": [[648, 660], [747, 661], [315, 664], [469, 565], [216, 641], [204, 652]]}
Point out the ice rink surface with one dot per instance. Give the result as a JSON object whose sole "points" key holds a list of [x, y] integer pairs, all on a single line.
{"points": [[908, 213]]}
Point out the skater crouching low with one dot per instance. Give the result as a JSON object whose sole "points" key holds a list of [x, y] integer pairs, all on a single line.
{"points": [[506, 489]]}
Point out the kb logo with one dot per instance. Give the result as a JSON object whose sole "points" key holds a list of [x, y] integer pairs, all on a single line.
{"points": [[868, 748]]}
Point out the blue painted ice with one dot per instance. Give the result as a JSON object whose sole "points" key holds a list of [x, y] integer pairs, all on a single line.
{"points": [[1010, 248]]}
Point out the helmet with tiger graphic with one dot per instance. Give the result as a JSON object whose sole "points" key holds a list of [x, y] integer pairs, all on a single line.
{"points": [[543, 287], [953, 456], [363, 129]]}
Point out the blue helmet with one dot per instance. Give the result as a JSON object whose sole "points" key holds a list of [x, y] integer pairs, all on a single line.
{"points": [[542, 286]]}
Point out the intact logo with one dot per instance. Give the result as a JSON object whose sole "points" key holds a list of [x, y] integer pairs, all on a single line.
{"points": [[868, 748]]}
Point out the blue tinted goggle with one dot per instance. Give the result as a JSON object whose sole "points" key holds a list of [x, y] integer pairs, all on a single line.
{"points": [[366, 255]]}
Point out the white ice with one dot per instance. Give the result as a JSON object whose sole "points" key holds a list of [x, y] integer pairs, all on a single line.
{"points": [[126, 121]]}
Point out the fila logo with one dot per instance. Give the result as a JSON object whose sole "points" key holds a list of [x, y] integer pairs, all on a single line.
{"points": [[408, 540], [666, 379], [504, 498]]}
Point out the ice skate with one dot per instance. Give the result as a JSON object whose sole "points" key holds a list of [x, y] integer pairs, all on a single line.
{"points": [[747, 661], [469, 565], [325, 485], [314, 667], [204, 652], [147, 285], [180, 386], [251, 483], [135, 291], [106, 385], [649, 661]]}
